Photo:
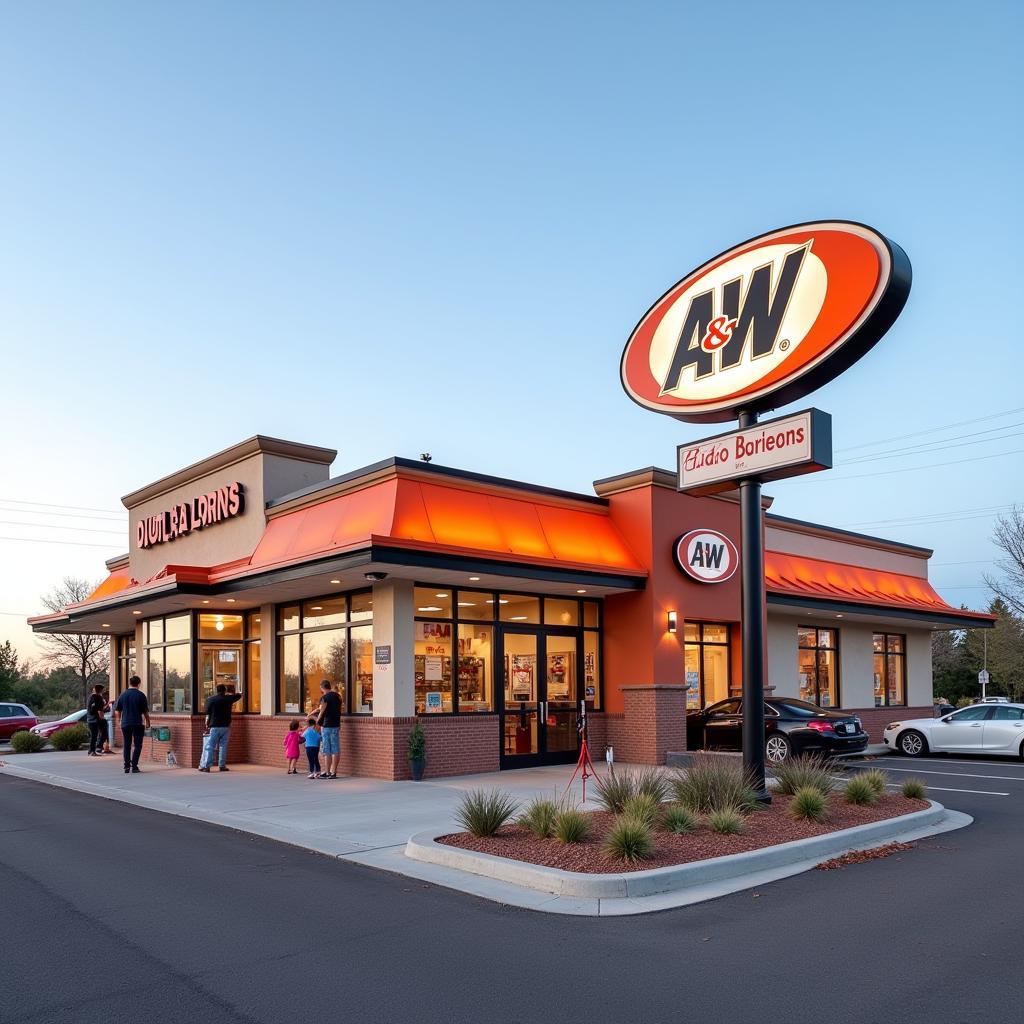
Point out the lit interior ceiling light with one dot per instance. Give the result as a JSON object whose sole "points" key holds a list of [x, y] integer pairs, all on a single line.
{"points": [[104, 625], [220, 626], [518, 618], [440, 595], [429, 608], [475, 579], [317, 608], [580, 591], [335, 581], [467, 604], [231, 600], [136, 613]]}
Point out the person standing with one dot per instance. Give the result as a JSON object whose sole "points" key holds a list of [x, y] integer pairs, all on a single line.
{"points": [[94, 720], [329, 719], [218, 721], [132, 710], [108, 723]]}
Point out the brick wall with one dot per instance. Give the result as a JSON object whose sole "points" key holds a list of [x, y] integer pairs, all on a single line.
{"points": [[652, 724], [876, 719]]}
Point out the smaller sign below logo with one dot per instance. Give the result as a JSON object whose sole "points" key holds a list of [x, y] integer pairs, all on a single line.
{"points": [[706, 555], [382, 654], [772, 450]]}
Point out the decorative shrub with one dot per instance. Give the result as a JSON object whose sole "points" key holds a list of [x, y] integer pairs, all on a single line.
{"points": [[860, 791], [914, 788], [539, 817], [809, 804], [571, 825], [25, 742], [416, 744], [727, 821], [714, 784], [800, 772], [615, 789], [630, 839], [481, 812], [653, 783], [71, 738], [643, 807], [877, 779], [678, 820]]}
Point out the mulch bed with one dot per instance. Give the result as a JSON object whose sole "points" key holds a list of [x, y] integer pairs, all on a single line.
{"points": [[769, 826]]}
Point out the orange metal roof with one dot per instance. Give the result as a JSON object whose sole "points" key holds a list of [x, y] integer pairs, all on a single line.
{"points": [[441, 516], [815, 578], [118, 580]]}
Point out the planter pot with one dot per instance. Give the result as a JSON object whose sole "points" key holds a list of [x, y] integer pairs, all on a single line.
{"points": [[416, 766]]}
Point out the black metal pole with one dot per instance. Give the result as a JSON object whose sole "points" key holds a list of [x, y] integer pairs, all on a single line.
{"points": [[752, 624]]}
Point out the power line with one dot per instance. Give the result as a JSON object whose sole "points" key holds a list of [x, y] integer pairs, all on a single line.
{"points": [[57, 526], [910, 469], [977, 561], [77, 508], [930, 446], [62, 515], [71, 543], [930, 515], [932, 430]]}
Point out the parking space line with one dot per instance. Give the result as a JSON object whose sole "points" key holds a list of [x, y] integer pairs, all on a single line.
{"points": [[961, 775], [946, 789]]}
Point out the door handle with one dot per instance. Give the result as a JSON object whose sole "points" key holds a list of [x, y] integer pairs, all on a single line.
{"points": [[543, 707], [976, 725]]}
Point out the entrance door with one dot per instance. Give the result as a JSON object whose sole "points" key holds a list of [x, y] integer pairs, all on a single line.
{"points": [[539, 697], [219, 663]]}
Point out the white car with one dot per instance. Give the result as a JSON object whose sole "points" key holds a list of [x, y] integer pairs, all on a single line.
{"points": [[989, 728]]}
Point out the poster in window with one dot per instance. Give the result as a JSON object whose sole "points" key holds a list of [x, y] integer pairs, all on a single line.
{"points": [[226, 657], [433, 631], [434, 700], [433, 668], [523, 668]]}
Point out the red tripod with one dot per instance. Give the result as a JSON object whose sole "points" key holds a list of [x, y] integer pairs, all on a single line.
{"points": [[583, 762]]}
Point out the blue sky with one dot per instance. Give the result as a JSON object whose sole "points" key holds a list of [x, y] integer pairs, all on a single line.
{"points": [[395, 228]]}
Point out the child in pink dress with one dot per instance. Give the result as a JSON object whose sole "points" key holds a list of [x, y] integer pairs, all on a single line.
{"points": [[292, 743]]}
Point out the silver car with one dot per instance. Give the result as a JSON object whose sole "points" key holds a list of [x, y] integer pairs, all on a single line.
{"points": [[989, 728]]}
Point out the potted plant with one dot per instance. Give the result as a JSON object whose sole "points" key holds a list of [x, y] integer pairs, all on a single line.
{"points": [[417, 752]]}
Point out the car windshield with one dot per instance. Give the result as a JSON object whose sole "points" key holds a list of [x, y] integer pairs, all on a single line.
{"points": [[798, 707], [74, 716]]}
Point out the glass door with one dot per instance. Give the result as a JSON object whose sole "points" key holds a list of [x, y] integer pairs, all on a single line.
{"points": [[539, 698], [219, 663]]}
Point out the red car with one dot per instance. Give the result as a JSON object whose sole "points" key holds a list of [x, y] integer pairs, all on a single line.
{"points": [[14, 718], [47, 729]]}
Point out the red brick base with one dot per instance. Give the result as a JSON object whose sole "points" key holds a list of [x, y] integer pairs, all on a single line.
{"points": [[653, 724], [876, 719]]}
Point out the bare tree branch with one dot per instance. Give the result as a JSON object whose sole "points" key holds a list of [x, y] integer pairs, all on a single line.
{"points": [[1008, 536], [88, 654]]}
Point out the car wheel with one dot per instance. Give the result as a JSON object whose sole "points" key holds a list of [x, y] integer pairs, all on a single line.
{"points": [[912, 743], [777, 748]]}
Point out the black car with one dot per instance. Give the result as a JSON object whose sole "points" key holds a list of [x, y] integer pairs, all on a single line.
{"points": [[791, 726]]}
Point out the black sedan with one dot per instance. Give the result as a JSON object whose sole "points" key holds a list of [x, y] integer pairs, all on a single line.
{"points": [[792, 727]]}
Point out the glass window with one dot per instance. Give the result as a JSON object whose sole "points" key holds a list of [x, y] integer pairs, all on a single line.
{"points": [[178, 628], [360, 606], [361, 642], [475, 605], [288, 618], [1004, 714], [711, 633], [592, 669], [476, 668], [290, 699], [324, 656], [705, 663], [253, 683], [214, 626], [432, 667], [518, 608], [155, 678], [178, 678], [325, 611], [155, 631], [590, 614], [253, 625], [818, 665], [691, 632], [432, 602], [890, 669], [975, 714], [560, 612]]}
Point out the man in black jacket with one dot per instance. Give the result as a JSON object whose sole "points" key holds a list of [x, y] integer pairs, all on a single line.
{"points": [[218, 721], [132, 710], [94, 720]]}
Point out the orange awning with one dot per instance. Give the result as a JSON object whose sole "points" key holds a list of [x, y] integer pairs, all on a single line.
{"points": [[118, 580], [817, 579]]}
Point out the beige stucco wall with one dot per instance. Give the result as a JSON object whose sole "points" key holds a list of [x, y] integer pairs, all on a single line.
{"points": [[793, 542], [394, 695]]}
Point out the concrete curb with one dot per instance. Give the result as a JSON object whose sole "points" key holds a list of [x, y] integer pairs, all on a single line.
{"points": [[423, 847]]}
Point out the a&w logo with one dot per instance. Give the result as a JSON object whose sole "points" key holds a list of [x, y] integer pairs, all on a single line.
{"points": [[739, 321], [706, 555]]}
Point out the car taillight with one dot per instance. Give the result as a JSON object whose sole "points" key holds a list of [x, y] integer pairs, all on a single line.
{"points": [[819, 726]]}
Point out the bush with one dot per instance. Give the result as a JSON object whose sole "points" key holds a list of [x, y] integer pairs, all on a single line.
{"points": [[630, 839], [809, 804], [416, 744], [71, 738], [714, 784], [652, 782], [482, 812], [25, 742], [571, 825], [860, 791], [914, 789], [800, 772], [614, 790], [678, 820], [876, 779], [539, 817], [727, 821], [643, 807]]}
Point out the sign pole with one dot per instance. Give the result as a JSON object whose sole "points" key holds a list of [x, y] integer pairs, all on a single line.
{"points": [[752, 624]]}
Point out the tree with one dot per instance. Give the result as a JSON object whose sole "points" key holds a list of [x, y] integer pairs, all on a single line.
{"points": [[953, 677], [10, 673], [88, 654], [1008, 536], [1002, 649]]}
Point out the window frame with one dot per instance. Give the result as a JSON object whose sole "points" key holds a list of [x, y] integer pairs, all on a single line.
{"points": [[162, 645], [886, 654], [701, 643], [818, 647]]}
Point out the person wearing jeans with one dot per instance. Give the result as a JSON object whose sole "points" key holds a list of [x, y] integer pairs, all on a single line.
{"points": [[94, 720], [132, 710], [218, 721]]}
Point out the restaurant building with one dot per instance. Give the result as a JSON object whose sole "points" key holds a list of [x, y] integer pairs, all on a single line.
{"points": [[486, 609]]}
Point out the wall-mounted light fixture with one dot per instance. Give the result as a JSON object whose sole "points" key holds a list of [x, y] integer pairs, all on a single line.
{"points": [[671, 622]]}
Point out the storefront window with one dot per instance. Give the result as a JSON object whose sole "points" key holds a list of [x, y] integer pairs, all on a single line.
{"points": [[317, 643], [168, 661], [155, 678], [219, 627], [178, 678], [178, 628], [432, 602], [592, 669], [518, 608], [561, 613], [818, 665], [476, 605], [125, 661], [890, 669], [591, 614], [705, 663], [476, 668], [432, 667], [253, 686]]}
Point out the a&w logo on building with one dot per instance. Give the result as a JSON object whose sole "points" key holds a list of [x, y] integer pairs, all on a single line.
{"points": [[766, 322], [706, 555]]}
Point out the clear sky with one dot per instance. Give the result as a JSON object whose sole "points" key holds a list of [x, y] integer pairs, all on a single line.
{"points": [[402, 227]]}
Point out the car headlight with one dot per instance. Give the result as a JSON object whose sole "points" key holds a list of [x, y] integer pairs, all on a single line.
{"points": [[893, 725]]}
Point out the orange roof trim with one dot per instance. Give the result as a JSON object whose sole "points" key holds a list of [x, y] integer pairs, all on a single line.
{"points": [[815, 578]]}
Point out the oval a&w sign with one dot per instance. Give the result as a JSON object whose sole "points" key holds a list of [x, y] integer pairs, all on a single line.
{"points": [[766, 322], [706, 555]]}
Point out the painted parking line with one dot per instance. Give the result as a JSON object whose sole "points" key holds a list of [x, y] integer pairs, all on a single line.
{"points": [[960, 775], [947, 789]]}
